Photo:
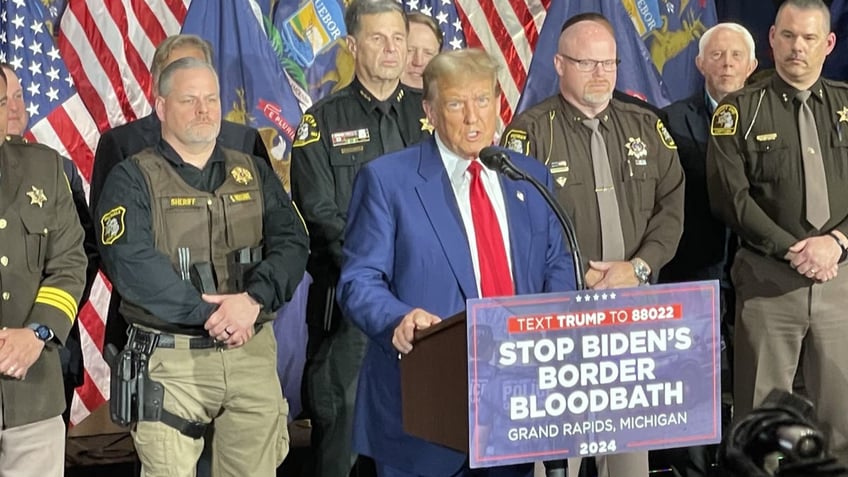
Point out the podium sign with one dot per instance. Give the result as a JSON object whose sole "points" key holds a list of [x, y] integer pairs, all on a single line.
{"points": [[594, 372]]}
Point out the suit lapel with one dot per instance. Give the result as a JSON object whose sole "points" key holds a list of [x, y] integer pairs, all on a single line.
{"points": [[518, 219], [698, 122], [438, 200]]}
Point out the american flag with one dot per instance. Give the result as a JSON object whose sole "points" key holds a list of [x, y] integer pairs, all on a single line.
{"points": [[59, 119], [508, 30]]}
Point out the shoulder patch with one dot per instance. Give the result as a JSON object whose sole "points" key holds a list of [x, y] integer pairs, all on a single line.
{"points": [[112, 225], [665, 136], [724, 120], [516, 140], [307, 132]]}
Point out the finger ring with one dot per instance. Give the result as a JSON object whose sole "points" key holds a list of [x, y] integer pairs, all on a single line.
{"points": [[227, 329]]}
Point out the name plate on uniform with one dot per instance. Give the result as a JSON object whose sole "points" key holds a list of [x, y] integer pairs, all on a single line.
{"points": [[594, 372]]}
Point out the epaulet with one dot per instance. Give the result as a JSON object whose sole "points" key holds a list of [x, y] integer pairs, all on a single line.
{"points": [[20, 141], [331, 98], [539, 110], [835, 83]]}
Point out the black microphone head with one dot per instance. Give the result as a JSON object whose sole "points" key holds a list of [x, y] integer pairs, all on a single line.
{"points": [[492, 157]]}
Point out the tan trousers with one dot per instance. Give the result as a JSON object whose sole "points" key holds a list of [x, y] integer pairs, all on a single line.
{"points": [[36, 449], [777, 312], [239, 390], [633, 464]]}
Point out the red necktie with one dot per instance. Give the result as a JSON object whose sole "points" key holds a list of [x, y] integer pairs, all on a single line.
{"points": [[495, 279]]}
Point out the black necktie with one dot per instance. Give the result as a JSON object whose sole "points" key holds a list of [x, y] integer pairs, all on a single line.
{"points": [[389, 129]]}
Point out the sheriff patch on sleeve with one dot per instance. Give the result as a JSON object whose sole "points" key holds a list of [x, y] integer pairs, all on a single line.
{"points": [[665, 136], [112, 225], [307, 132], [516, 140], [724, 120]]}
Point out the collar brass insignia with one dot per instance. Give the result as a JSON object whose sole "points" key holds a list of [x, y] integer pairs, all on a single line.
{"points": [[241, 175], [636, 148], [425, 125], [37, 197]]}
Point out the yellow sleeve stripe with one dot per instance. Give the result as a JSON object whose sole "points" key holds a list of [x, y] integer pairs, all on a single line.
{"points": [[59, 299]]}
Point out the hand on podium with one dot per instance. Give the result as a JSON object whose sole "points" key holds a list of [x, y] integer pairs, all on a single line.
{"points": [[416, 319]]}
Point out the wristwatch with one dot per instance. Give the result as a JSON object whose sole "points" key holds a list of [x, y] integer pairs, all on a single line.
{"points": [[642, 270], [42, 332]]}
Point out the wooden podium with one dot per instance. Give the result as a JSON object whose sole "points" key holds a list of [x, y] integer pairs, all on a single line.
{"points": [[434, 385]]}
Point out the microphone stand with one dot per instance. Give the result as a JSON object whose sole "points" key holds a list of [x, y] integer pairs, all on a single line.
{"points": [[496, 159]]}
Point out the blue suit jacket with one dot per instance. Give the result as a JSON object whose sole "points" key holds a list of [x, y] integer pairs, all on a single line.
{"points": [[406, 247]]}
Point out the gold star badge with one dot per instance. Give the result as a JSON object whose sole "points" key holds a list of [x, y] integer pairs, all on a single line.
{"points": [[843, 114], [426, 126], [37, 197]]}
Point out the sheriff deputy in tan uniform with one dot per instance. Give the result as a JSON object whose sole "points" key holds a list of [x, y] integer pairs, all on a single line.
{"points": [[628, 219], [781, 183], [42, 275]]}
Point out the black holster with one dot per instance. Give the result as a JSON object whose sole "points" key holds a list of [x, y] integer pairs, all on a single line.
{"points": [[134, 396]]}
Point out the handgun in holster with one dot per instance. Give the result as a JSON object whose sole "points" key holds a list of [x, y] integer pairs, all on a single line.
{"points": [[127, 386], [239, 263]]}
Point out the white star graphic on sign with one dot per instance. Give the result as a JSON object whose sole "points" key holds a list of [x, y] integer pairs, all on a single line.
{"points": [[596, 297], [32, 109], [2, 56], [612, 296], [442, 17], [578, 298], [588, 297], [457, 24], [53, 53], [34, 89], [35, 48], [412, 4], [3, 37], [17, 63], [427, 10], [53, 94], [69, 80], [36, 27], [35, 68], [604, 296], [18, 42], [53, 74], [20, 3], [456, 43], [446, 2], [18, 21], [3, 16]]}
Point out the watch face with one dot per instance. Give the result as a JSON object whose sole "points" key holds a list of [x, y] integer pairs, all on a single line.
{"points": [[42, 332]]}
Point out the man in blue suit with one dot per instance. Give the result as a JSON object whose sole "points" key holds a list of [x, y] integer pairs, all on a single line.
{"points": [[427, 230]]}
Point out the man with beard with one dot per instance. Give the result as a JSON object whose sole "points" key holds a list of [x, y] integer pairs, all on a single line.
{"points": [[620, 181], [203, 244], [374, 115]]}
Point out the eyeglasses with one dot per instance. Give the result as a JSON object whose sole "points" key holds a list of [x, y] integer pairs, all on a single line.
{"points": [[587, 65]]}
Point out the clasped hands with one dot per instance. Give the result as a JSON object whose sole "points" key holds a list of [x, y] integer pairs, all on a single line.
{"points": [[816, 258], [233, 322]]}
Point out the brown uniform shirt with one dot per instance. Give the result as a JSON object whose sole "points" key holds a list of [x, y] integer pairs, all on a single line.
{"points": [[645, 169], [42, 271], [755, 173]]}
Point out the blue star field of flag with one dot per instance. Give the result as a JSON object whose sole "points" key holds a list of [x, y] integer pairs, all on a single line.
{"points": [[26, 45], [445, 14]]}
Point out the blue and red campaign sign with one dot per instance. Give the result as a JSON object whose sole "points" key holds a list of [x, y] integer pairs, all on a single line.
{"points": [[593, 372]]}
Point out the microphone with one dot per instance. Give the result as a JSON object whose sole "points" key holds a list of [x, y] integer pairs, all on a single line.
{"points": [[497, 159]]}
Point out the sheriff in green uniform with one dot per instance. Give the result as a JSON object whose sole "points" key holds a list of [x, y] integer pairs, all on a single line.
{"points": [[777, 171], [628, 238], [42, 275]]}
